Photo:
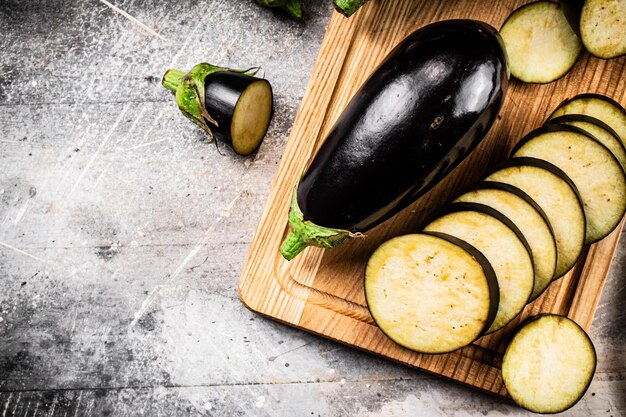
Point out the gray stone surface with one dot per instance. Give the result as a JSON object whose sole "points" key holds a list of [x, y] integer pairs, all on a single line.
{"points": [[122, 235]]}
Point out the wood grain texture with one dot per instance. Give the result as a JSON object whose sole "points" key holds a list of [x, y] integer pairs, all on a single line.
{"points": [[321, 291]]}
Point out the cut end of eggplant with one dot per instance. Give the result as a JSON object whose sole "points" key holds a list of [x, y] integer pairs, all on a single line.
{"points": [[603, 27], [549, 364], [429, 294], [540, 43], [230, 105], [251, 117]]}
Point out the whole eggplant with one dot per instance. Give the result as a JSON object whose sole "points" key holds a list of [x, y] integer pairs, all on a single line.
{"points": [[419, 114]]}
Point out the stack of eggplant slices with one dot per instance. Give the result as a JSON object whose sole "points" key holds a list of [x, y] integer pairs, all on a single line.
{"points": [[477, 263], [480, 260]]}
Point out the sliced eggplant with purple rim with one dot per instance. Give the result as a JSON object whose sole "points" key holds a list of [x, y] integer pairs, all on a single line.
{"points": [[504, 246], [549, 364], [529, 218], [416, 118], [598, 176], [595, 105], [541, 45], [599, 130], [601, 24], [431, 293], [557, 195]]}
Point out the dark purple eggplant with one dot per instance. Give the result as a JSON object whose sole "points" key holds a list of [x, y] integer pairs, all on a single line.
{"points": [[231, 105], [419, 114]]}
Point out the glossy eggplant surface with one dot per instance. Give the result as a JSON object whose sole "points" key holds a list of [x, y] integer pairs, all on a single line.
{"points": [[424, 109]]}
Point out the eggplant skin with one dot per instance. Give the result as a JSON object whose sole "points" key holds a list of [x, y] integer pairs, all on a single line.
{"points": [[419, 114], [572, 10]]}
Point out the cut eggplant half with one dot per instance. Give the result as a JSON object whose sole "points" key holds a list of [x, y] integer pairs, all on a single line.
{"points": [[504, 246], [599, 130], [242, 107], [556, 194], [549, 364], [540, 43], [526, 214], [598, 106], [430, 293], [603, 27], [231, 105], [597, 174]]}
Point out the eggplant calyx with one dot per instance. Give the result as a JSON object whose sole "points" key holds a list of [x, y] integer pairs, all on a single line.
{"points": [[293, 7], [306, 233], [189, 90], [348, 7]]}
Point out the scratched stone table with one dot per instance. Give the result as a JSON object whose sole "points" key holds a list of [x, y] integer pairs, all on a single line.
{"points": [[122, 234]]}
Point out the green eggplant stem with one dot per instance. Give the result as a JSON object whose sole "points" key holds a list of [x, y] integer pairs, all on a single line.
{"points": [[348, 7], [172, 79], [306, 233], [293, 7]]}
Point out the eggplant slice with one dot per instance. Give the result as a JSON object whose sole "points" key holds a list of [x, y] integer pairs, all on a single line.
{"points": [[556, 194], [540, 43], [430, 293], [597, 174], [599, 130], [526, 214], [598, 106], [603, 27], [549, 364], [504, 246]]}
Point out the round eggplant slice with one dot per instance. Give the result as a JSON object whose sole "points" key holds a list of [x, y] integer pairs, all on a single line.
{"points": [[526, 214], [242, 107], [597, 174], [504, 246], [430, 293], [540, 43], [599, 106], [548, 364], [599, 130], [603, 27], [556, 194]]}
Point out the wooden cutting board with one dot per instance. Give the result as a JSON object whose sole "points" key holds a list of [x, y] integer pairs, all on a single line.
{"points": [[322, 291]]}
